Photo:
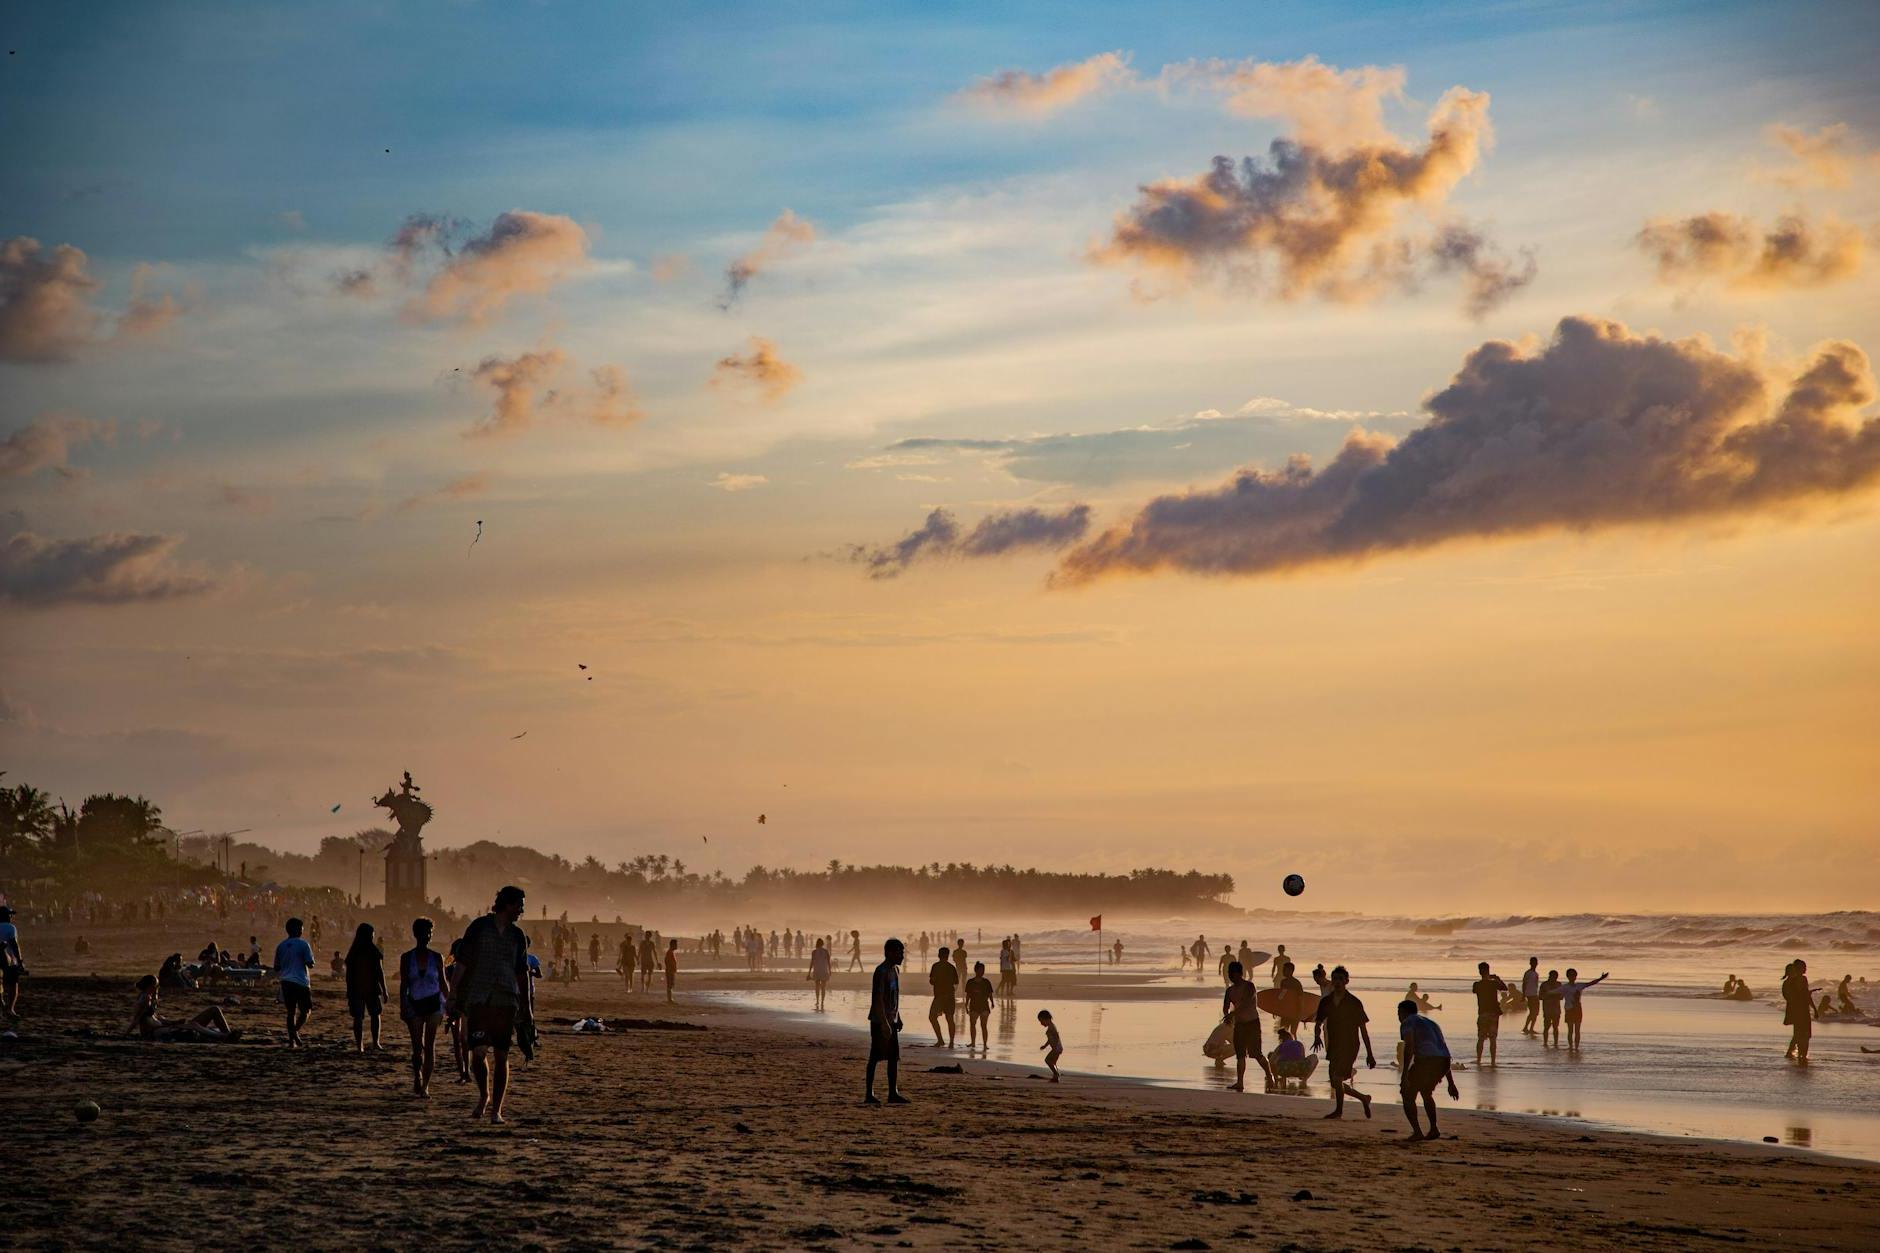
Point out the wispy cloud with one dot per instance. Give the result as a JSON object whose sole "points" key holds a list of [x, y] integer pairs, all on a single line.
{"points": [[1742, 254], [786, 236], [46, 443], [996, 534], [728, 482], [1020, 93], [1829, 157]]}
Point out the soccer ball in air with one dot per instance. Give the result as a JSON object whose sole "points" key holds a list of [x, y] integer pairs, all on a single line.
{"points": [[1294, 884]]}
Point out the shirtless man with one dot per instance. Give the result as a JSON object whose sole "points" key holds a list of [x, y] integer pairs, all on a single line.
{"points": [[884, 1023], [1238, 1007], [1488, 992], [979, 995], [945, 982], [1200, 950]]}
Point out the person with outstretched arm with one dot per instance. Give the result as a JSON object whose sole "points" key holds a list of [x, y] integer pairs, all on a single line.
{"points": [[884, 1023], [1570, 994]]}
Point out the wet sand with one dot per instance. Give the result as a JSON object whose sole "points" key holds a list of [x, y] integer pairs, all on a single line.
{"points": [[750, 1134]]}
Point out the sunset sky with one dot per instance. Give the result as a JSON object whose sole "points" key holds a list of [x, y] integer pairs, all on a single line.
{"points": [[701, 312]]}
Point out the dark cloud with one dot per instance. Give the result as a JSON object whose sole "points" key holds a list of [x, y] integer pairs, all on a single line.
{"points": [[114, 568], [787, 235], [45, 301], [996, 534], [1491, 275], [46, 444], [1794, 252], [1600, 428], [1317, 219]]}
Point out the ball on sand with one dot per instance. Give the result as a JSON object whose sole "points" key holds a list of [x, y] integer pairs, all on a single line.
{"points": [[1294, 884], [87, 1111]]}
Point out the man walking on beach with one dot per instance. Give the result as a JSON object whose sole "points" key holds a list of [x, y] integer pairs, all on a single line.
{"points": [[494, 996], [1488, 992], [12, 963], [1531, 993], [649, 956], [1238, 1007], [1570, 993], [1426, 1063], [944, 980], [1340, 1025], [855, 950], [293, 966], [884, 1023]]}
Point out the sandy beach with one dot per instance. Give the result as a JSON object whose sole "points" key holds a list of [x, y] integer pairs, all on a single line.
{"points": [[749, 1133]]}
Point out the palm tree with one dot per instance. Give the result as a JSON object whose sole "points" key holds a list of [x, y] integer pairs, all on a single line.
{"points": [[25, 817]]}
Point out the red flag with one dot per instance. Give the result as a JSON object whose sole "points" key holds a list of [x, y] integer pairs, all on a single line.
{"points": [[1096, 922]]}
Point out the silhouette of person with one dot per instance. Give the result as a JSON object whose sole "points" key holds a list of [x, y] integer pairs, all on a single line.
{"points": [[945, 981], [979, 996], [1426, 1063], [884, 1022], [1531, 993], [1239, 1007], [1053, 1046], [1570, 993], [1340, 1026], [1488, 991], [1798, 1010]]}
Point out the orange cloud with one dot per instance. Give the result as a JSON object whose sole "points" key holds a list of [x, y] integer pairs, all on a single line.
{"points": [[45, 301], [1794, 252], [1326, 107], [787, 235], [1323, 221], [1021, 93], [523, 253], [524, 390], [46, 443], [1600, 428], [760, 367], [466, 487], [111, 569], [1830, 157]]}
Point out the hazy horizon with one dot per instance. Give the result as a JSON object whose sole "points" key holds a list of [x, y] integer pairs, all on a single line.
{"points": [[887, 420]]}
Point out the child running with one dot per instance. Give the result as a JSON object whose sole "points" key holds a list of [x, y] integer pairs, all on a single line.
{"points": [[1053, 1046]]}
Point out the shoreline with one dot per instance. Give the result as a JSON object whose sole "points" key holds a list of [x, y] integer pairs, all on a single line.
{"points": [[750, 1134]]}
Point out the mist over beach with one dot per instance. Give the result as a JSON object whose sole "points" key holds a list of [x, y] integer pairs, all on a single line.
{"points": [[978, 626]]}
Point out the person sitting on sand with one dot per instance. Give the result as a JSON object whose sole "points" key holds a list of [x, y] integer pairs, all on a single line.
{"points": [[1729, 986], [1290, 1059], [208, 1027], [884, 1022], [1846, 994], [338, 965], [944, 979], [1423, 1002], [819, 973], [1429, 1064], [365, 986], [1340, 1026], [979, 997], [421, 1002], [1570, 994], [1239, 1007], [81, 947], [1053, 1046], [170, 974]]}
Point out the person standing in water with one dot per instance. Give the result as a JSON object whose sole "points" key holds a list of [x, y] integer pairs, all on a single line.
{"points": [[672, 967], [1550, 993], [1280, 962], [1488, 992], [944, 979], [1798, 1010], [1008, 970], [1239, 1007], [1570, 993], [1340, 1026], [1531, 993], [978, 1008], [855, 950], [1201, 950], [1053, 1046], [421, 1002], [293, 966], [819, 973], [1426, 1063], [959, 964], [884, 1022]]}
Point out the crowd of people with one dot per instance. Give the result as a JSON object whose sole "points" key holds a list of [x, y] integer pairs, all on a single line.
{"points": [[478, 992]]}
